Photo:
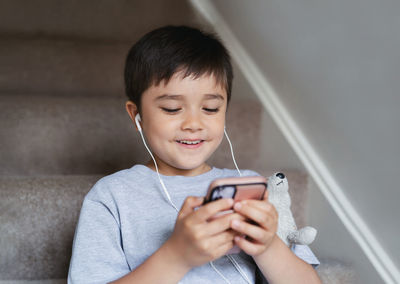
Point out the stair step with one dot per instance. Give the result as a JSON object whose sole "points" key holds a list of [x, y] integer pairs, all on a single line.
{"points": [[41, 281], [336, 272], [61, 67], [110, 20], [38, 215], [38, 218], [50, 135]]}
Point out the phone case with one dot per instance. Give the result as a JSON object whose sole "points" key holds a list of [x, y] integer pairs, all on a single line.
{"points": [[238, 188]]}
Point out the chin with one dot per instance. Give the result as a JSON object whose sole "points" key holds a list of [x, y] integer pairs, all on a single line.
{"points": [[188, 166]]}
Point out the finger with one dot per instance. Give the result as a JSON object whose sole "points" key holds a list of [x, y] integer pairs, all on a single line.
{"points": [[189, 204], [260, 216], [249, 247], [210, 209], [209, 245], [223, 240], [221, 224], [263, 205], [222, 249], [255, 232]]}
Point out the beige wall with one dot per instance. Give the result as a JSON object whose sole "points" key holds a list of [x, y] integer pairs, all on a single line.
{"points": [[275, 152], [335, 67]]}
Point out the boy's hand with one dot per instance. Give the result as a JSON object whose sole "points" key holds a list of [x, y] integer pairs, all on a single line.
{"points": [[196, 240], [259, 235]]}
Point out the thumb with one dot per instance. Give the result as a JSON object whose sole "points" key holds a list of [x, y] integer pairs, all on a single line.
{"points": [[189, 205]]}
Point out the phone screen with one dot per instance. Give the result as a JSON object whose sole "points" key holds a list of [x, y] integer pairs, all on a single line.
{"points": [[225, 191], [238, 192]]}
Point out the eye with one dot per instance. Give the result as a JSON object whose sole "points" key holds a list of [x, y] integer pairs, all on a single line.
{"points": [[170, 110], [211, 109]]}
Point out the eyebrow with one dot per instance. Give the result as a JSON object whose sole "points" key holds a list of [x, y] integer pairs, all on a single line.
{"points": [[180, 97]]}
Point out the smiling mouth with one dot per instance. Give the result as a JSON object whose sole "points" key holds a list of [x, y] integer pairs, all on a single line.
{"points": [[189, 142]]}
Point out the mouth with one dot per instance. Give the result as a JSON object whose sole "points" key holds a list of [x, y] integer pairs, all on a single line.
{"points": [[190, 143]]}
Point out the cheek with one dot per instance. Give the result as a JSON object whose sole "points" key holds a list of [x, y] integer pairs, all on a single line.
{"points": [[218, 131], [159, 131], [156, 130], [219, 123]]}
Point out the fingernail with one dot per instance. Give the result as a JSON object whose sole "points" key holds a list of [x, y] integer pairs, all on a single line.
{"points": [[230, 201], [235, 223], [237, 238], [237, 206]]}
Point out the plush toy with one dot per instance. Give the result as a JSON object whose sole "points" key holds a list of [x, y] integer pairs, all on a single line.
{"points": [[278, 195]]}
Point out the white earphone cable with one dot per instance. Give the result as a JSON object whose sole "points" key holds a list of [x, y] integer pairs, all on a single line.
{"points": [[232, 260], [237, 266], [219, 272], [233, 156], [161, 181]]}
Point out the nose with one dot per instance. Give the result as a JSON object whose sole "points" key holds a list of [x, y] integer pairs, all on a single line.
{"points": [[280, 175], [192, 122]]}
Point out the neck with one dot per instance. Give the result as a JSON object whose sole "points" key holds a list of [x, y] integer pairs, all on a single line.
{"points": [[168, 170]]}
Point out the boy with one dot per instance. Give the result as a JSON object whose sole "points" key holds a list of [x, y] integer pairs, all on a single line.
{"points": [[147, 224]]}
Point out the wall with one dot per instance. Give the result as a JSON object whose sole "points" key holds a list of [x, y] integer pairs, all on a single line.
{"points": [[335, 66], [275, 153]]}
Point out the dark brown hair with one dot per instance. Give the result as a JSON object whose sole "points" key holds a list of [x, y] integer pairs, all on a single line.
{"points": [[161, 53]]}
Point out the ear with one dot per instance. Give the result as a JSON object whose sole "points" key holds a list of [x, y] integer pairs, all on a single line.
{"points": [[132, 110]]}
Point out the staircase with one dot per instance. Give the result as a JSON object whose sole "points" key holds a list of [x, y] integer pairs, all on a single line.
{"points": [[63, 124]]}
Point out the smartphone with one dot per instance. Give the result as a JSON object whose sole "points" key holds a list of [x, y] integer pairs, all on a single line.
{"points": [[237, 188]]}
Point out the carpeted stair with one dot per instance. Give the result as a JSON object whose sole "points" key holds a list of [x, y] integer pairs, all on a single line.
{"points": [[63, 125]]}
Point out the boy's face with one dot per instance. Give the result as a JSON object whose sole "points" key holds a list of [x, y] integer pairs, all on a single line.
{"points": [[183, 122]]}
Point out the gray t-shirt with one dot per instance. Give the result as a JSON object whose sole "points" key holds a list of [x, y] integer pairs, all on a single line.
{"points": [[126, 217]]}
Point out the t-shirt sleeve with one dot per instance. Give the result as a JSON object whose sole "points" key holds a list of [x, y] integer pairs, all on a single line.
{"points": [[97, 253], [304, 252]]}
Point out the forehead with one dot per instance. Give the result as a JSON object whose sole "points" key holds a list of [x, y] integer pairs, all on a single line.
{"points": [[204, 86]]}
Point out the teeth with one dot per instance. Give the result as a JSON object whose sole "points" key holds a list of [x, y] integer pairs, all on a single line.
{"points": [[190, 142]]}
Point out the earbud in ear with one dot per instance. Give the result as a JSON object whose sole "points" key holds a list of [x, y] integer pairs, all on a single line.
{"points": [[137, 121]]}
